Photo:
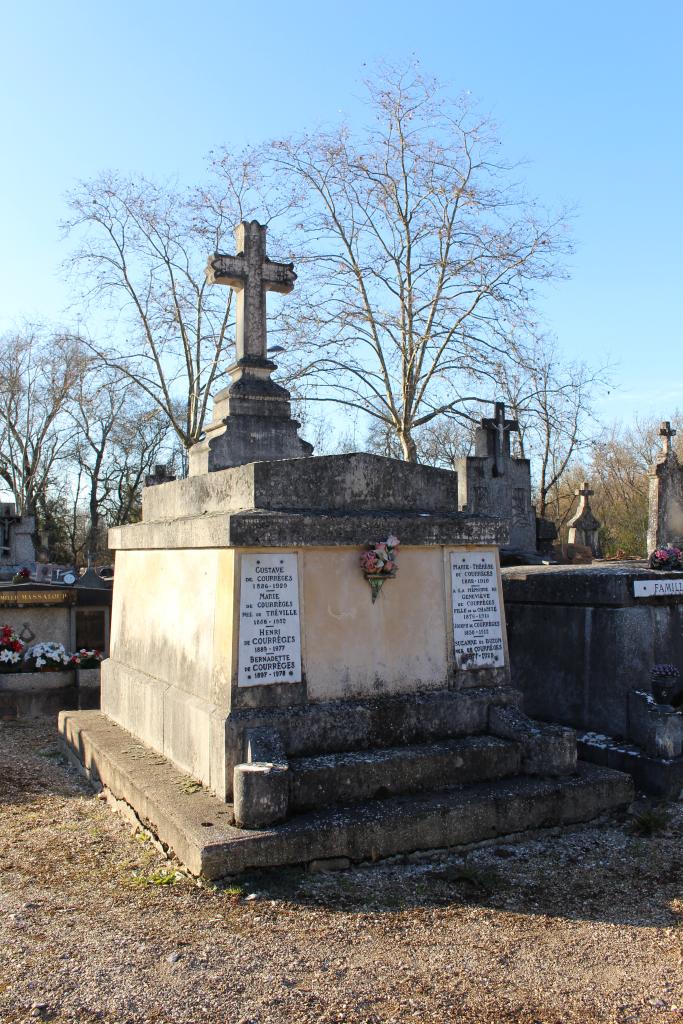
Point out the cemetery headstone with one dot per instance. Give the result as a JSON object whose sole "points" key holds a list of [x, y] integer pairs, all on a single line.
{"points": [[17, 549], [492, 482], [583, 526], [665, 518]]}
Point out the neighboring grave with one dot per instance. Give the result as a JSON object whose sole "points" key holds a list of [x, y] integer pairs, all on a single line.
{"points": [[492, 482], [582, 639], [17, 550], [583, 526], [252, 417], [665, 521], [248, 651]]}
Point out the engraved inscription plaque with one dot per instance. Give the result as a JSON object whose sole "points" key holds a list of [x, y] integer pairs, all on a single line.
{"points": [[270, 631], [477, 627]]}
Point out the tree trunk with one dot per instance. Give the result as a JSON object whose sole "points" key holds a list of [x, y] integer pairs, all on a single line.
{"points": [[408, 446]]}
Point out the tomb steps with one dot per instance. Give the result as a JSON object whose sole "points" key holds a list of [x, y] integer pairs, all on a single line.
{"points": [[355, 776], [199, 828]]}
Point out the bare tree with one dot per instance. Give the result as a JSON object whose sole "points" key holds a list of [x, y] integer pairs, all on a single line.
{"points": [[143, 248], [553, 402], [118, 438], [40, 371], [417, 255]]}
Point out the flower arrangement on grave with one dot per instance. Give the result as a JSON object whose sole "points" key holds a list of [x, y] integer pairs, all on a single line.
{"points": [[379, 563], [23, 576], [46, 657], [11, 650], [668, 557], [86, 658], [666, 688]]}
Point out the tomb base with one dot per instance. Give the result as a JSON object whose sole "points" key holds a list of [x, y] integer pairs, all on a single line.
{"points": [[199, 829], [660, 776]]}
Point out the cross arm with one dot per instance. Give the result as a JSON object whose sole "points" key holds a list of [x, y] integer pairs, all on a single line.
{"points": [[278, 277], [230, 270]]}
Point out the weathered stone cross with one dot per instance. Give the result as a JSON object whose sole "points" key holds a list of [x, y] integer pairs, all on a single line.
{"points": [[502, 428], [666, 433], [584, 491], [251, 274]]}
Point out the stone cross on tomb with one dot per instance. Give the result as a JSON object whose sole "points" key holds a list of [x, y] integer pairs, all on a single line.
{"points": [[501, 428], [666, 433], [251, 274]]}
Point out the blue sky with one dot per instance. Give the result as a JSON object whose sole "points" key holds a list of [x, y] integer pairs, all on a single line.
{"points": [[589, 94]]}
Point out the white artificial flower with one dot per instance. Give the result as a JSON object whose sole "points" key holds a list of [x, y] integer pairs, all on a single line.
{"points": [[40, 662]]}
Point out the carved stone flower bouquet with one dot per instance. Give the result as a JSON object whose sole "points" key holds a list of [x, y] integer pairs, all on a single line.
{"points": [[11, 650], [379, 563], [666, 558], [47, 657]]}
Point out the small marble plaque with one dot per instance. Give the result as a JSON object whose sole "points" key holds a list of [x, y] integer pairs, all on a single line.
{"points": [[270, 630], [658, 588], [477, 626]]}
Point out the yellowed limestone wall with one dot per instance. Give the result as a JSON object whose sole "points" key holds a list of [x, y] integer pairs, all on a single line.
{"points": [[174, 636]]}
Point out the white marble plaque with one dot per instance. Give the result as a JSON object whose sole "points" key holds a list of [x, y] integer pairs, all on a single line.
{"points": [[477, 626], [270, 630], [658, 588]]}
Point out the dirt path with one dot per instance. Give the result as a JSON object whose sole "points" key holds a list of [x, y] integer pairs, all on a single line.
{"points": [[96, 925]]}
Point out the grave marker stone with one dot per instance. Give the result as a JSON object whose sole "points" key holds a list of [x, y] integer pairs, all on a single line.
{"points": [[583, 526], [665, 515], [491, 482]]}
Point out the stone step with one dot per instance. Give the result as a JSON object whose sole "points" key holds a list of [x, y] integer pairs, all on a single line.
{"points": [[197, 826], [354, 776]]}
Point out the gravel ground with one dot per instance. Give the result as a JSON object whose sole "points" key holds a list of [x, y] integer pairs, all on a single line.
{"points": [[96, 925]]}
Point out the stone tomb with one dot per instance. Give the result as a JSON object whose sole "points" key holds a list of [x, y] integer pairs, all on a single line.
{"points": [[247, 652], [583, 642]]}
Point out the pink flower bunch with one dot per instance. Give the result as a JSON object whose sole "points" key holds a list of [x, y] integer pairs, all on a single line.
{"points": [[669, 557], [380, 558]]}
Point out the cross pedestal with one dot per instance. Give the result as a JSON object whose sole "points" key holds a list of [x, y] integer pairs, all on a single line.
{"points": [[252, 420]]}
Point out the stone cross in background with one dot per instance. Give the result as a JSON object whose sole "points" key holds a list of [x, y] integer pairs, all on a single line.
{"points": [[498, 430], [666, 433], [583, 526], [665, 512], [251, 274]]}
